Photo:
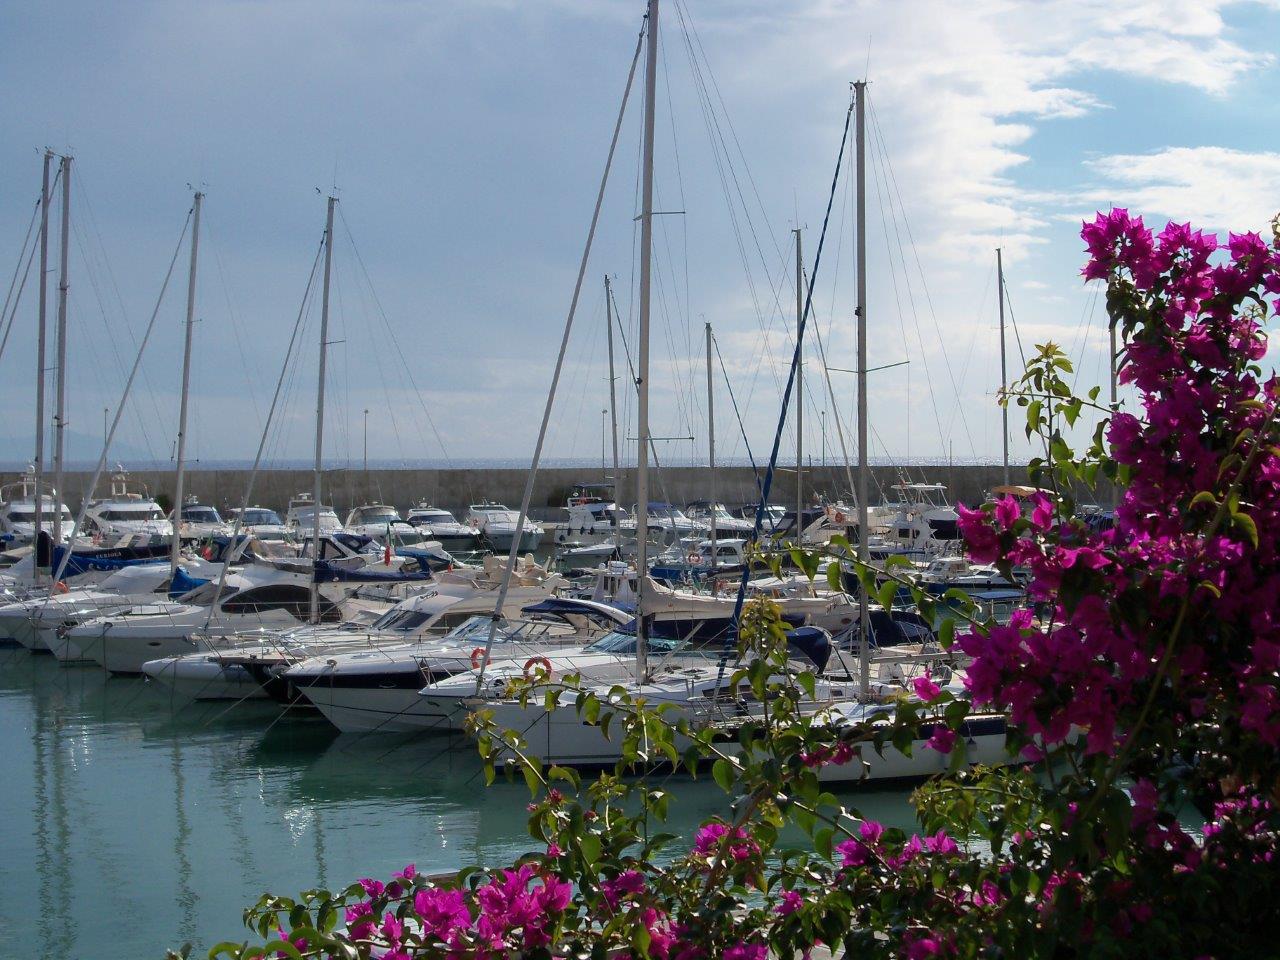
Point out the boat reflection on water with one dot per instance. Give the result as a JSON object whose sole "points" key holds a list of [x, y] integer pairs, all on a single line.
{"points": [[149, 822]]}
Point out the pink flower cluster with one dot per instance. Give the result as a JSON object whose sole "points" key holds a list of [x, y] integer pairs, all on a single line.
{"points": [[514, 910], [1192, 318], [715, 837]]}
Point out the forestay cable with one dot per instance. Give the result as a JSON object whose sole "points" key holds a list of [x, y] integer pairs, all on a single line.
{"points": [[555, 378], [124, 398]]}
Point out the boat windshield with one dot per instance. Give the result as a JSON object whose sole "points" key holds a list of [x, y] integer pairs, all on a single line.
{"points": [[201, 515], [262, 516], [432, 516], [377, 515], [133, 514], [401, 620], [621, 642], [29, 516]]}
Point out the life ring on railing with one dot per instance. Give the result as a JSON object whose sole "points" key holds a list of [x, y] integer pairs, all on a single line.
{"points": [[693, 558], [840, 518], [477, 658], [61, 587], [535, 661]]}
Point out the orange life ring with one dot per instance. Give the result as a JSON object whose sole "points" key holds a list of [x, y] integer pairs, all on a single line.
{"points": [[477, 658], [61, 587], [534, 661], [840, 518]]}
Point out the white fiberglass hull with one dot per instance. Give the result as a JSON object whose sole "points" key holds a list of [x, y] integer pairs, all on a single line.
{"points": [[376, 710], [562, 737], [204, 677], [501, 537]]}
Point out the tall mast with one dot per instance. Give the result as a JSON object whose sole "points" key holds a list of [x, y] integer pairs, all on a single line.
{"points": [[1115, 404], [60, 414], [178, 483], [40, 351], [613, 391], [864, 553], [642, 374], [799, 388], [1004, 373], [324, 347], [711, 453]]}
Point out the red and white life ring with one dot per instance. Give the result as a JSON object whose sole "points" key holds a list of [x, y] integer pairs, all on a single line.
{"points": [[537, 661], [840, 518], [61, 587], [477, 658]]}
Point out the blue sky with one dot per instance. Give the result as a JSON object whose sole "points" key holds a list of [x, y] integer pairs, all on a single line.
{"points": [[466, 141]]}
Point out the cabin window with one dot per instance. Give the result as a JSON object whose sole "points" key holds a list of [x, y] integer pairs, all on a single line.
{"points": [[293, 598]]}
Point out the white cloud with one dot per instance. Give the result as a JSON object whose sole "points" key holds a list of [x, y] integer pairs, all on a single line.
{"points": [[1213, 187]]}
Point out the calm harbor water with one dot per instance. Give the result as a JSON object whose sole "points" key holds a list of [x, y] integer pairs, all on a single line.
{"points": [[132, 823]]}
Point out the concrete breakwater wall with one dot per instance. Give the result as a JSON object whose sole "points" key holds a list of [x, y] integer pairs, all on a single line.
{"points": [[455, 489]]}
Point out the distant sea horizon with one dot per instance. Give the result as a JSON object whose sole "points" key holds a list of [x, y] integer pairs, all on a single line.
{"points": [[485, 463]]}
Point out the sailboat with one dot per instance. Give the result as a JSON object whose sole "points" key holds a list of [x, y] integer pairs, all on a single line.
{"points": [[705, 694]]}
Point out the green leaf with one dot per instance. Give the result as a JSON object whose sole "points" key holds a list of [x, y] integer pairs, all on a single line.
{"points": [[1247, 526]]}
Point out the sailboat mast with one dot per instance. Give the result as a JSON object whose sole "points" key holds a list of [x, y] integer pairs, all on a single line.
{"points": [[864, 552], [642, 373], [711, 452], [175, 554], [799, 388], [40, 352], [324, 348], [613, 385], [1004, 372], [60, 414]]}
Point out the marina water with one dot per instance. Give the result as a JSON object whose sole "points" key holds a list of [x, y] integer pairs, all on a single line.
{"points": [[133, 823]]}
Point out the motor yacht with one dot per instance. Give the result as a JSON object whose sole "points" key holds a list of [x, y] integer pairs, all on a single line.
{"points": [[300, 518], [258, 597], [439, 524], [382, 523], [198, 522], [376, 690], [28, 621], [262, 523], [18, 512], [127, 511], [497, 524], [254, 661], [727, 525]]}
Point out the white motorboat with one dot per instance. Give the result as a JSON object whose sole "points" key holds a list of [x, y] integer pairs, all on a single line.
{"points": [[671, 521], [127, 511], [439, 524], [382, 523], [259, 597], [18, 512], [21, 620], [592, 517], [497, 524], [199, 522], [262, 523], [300, 518], [451, 599], [377, 690], [727, 525]]}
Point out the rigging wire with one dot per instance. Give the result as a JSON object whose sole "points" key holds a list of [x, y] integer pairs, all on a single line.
{"points": [[8, 325], [399, 353], [893, 179], [285, 367], [124, 397]]}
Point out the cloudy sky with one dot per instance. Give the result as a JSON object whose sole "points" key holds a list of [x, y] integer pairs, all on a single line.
{"points": [[465, 142]]}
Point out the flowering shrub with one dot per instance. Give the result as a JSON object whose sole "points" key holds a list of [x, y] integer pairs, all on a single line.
{"points": [[1137, 815]]}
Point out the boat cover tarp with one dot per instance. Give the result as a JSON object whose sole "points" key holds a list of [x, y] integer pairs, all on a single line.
{"points": [[813, 642], [326, 572], [107, 559], [183, 583]]}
